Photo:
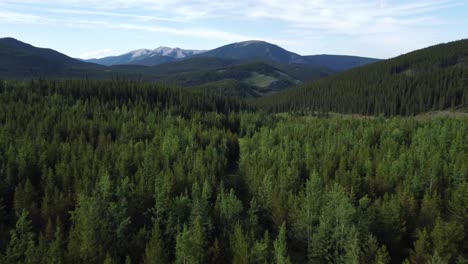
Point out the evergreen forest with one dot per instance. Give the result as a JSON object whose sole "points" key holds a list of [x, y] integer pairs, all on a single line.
{"points": [[434, 78], [130, 172]]}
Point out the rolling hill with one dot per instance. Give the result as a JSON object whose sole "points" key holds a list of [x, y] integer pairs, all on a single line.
{"points": [[433, 78], [256, 68], [21, 60], [191, 65], [24, 61], [252, 79]]}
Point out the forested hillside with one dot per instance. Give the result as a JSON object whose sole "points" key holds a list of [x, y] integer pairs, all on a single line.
{"points": [[20, 60], [127, 172], [430, 79], [251, 65]]}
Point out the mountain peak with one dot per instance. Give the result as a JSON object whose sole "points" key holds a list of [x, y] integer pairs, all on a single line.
{"points": [[164, 48], [9, 39], [251, 42], [148, 57], [138, 53], [254, 50], [13, 42]]}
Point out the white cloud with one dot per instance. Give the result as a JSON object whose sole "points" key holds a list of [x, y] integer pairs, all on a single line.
{"points": [[298, 23], [339, 16], [16, 17], [108, 14], [345, 17], [203, 33], [96, 54]]}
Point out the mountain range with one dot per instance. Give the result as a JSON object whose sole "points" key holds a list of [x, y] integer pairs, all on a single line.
{"points": [[147, 57], [241, 51], [259, 67], [431, 78]]}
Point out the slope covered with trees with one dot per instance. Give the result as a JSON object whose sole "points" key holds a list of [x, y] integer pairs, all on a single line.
{"points": [[430, 79], [20, 60], [126, 172]]}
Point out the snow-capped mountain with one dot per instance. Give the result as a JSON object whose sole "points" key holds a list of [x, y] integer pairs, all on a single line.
{"points": [[241, 51], [147, 57], [175, 52]]}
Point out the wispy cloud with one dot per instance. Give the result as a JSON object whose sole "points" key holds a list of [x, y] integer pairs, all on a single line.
{"points": [[17, 17], [339, 16], [204, 33], [297, 23], [347, 17], [108, 14]]}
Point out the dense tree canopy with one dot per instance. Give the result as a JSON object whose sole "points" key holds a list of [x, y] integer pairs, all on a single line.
{"points": [[435, 78], [126, 172]]}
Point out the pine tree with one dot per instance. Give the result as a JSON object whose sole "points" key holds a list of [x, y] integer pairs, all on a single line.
{"points": [[185, 251], [436, 259], [261, 249], [239, 246], [280, 247], [421, 249], [446, 238], [228, 208], [155, 251], [21, 239], [336, 231], [309, 208], [198, 238], [84, 244], [55, 253]]}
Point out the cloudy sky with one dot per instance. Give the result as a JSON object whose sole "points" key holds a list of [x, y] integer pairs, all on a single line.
{"points": [[374, 28]]}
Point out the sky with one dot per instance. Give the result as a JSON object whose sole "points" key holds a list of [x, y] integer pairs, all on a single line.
{"points": [[372, 28]]}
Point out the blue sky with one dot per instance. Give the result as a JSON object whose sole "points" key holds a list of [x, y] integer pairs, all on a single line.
{"points": [[374, 28]]}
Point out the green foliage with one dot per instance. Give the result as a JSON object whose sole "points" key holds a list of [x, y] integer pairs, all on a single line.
{"points": [[434, 78], [188, 249], [421, 249], [21, 240], [309, 206], [155, 251], [280, 247], [335, 237], [228, 207], [122, 172], [261, 248], [239, 246], [447, 238]]}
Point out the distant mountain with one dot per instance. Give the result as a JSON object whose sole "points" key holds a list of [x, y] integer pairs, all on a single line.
{"points": [[434, 78], [247, 51], [256, 68], [147, 57], [254, 50], [261, 50], [21, 60]]}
